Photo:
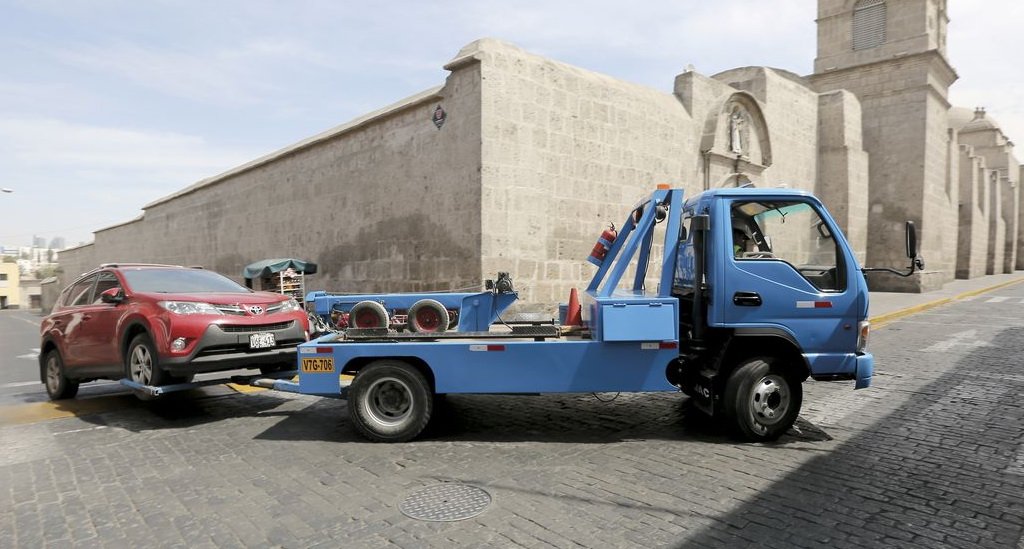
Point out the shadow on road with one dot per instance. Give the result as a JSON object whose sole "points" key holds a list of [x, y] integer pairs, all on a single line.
{"points": [[946, 469], [581, 419]]}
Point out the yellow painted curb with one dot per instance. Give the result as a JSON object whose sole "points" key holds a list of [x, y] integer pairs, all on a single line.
{"points": [[881, 320], [34, 412], [245, 388]]}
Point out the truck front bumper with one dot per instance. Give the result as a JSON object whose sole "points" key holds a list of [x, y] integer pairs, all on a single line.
{"points": [[865, 369]]}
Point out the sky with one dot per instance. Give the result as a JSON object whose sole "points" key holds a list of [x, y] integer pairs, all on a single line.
{"points": [[107, 105]]}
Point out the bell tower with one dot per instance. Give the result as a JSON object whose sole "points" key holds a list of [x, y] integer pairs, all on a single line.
{"points": [[891, 54]]}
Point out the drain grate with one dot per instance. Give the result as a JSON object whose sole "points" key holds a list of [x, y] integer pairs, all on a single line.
{"points": [[445, 503]]}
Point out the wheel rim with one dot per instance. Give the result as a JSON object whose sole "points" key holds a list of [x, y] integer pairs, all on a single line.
{"points": [[52, 374], [141, 364], [770, 399], [368, 319], [389, 401], [427, 320]]}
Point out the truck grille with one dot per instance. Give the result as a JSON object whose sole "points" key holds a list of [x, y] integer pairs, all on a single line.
{"points": [[254, 328]]}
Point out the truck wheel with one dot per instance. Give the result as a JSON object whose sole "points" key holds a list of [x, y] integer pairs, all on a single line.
{"points": [[428, 316], [368, 314], [390, 401], [58, 385], [142, 364], [762, 399]]}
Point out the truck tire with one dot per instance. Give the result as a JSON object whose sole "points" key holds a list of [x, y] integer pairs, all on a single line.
{"points": [[762, 399], [428, 316], [368, 314], [390, 401], [58, 385], [142, 364]]}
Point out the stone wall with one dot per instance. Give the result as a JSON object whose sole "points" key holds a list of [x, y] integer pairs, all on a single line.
{"points": [[566, 152], [389, 202], [972, 246], [842, 182], [533, 160]]}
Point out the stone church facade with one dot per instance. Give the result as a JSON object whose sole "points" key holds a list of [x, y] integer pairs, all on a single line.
{"points": [[517, 162]]}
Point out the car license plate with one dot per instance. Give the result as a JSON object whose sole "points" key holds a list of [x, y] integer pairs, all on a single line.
{"points": [[261, 341], [318, 365]]}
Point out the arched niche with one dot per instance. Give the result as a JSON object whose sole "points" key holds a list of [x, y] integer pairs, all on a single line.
{"points": [[735, 143], [737, 128]]}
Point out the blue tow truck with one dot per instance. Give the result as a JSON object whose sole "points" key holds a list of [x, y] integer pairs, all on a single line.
{"points": [[755, 290]]}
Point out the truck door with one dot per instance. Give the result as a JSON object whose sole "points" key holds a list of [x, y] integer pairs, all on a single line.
{"points": [[790, 271]]}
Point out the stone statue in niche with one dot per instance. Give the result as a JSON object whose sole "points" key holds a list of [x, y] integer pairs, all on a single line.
{"points": [[736, 131]]}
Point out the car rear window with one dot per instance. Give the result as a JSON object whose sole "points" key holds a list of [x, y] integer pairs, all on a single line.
{"points": [[180, 281]]}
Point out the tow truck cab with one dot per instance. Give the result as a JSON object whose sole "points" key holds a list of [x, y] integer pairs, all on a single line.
{"points": [[776, 279]]}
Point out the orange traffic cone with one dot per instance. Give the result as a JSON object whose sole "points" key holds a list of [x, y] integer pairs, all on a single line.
{"points": [[573, 313]]}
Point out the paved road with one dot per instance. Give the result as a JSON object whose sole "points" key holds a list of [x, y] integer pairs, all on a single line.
{"points": [[931, 456], [19, 352]]}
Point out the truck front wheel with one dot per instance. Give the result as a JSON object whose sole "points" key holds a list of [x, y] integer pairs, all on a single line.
{"points": [[762, 399], [390, 401]]}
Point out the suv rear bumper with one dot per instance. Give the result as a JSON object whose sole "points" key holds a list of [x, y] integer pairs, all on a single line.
{"points": [[218, 350]]}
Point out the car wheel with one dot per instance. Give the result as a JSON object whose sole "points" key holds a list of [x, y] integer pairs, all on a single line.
{"points": [[58, 385], [390, 401], [142, 363], [762, 399]]}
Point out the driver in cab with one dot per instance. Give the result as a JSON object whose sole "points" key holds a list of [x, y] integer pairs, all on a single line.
{"points": [[741, 243]]}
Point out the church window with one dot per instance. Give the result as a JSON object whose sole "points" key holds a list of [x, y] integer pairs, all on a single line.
{"points": [[868, 24]]}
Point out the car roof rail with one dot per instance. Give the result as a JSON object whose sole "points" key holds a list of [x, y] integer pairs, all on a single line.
{"points": [[115, 265]]}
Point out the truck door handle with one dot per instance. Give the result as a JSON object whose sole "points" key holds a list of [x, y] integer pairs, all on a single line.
{"points": [[747, 299]]}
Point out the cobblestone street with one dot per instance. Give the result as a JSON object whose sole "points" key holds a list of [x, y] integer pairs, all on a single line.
{"points": [[931, 455]]}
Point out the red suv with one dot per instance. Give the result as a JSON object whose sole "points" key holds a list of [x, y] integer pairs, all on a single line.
{"points": [[160, 324]]}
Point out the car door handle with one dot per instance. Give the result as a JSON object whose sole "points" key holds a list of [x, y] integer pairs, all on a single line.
{"points": [[746, 299], [86, 317]]}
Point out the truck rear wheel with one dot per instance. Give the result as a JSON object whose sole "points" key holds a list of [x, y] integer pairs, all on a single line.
{"points": [[762, 399], [390, 401]]}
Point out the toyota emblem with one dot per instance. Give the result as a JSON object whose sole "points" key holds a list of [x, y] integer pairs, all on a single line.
{"points": [[256, 310]]}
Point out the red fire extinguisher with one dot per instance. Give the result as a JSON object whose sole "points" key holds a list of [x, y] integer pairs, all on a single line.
{"points": [[604, 243]]}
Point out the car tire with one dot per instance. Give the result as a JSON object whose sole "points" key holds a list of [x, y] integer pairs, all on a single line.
{"points": [[762, 398], [390, 401], [142, 364], [58, 385]]}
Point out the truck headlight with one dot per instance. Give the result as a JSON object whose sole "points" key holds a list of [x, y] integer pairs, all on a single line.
{"points": [[290, 305], [863, 329]]}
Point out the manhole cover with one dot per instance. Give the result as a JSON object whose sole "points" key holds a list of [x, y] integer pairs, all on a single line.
{"points": [[445, 503]]}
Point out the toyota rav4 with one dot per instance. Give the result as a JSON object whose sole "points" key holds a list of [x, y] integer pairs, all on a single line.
{"points": [[161, 324]]}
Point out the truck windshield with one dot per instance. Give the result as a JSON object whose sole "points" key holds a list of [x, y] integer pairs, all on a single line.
{"points": [[180, 281]]}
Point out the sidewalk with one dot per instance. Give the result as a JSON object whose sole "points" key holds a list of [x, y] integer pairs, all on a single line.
{"points": [[887, 306]]}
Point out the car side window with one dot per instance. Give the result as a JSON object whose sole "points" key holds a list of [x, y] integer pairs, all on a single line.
{"points": [[80, 292], [106, 281]]}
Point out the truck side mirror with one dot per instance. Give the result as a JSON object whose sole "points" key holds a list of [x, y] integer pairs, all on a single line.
{"points": [[911, 240]]}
